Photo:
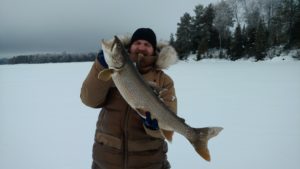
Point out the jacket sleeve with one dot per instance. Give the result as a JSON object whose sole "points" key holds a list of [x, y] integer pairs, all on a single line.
{"points": [[169, 98], [93, 91]]}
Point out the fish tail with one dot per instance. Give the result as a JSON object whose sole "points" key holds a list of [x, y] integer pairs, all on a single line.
{"points": [[200, 140]]}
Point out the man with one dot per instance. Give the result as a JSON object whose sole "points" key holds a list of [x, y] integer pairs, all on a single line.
{"points": [[123, 139]]}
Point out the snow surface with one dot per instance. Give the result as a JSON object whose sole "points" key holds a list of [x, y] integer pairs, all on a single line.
{"points": [[44, 125]]}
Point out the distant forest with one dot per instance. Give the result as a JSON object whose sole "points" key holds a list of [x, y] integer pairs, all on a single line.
{"points": [[239, 29], [234, 28], [49, 58]]}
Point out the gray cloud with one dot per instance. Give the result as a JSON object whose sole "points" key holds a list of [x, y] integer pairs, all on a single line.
{"points": [[79, 25]]}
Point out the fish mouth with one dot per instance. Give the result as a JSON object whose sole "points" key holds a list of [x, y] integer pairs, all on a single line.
{"points": [[118, 45], [115, 43], [140, 55]]}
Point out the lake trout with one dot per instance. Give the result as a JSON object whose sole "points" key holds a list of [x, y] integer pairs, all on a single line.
{"points": [[141, 96]]}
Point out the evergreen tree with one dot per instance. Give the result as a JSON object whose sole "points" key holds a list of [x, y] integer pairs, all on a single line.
{"points": [[290, 15], [269, 8], [196, 28], [207, 32], [295, 30], [209, 28], [261, 41], [252, 20], [183, 36], [237, 48], [286, 16], [275, 31], [250, 41], [172, 40]]}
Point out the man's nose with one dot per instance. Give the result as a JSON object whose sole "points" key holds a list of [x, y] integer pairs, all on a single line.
{"points": [[141, 47]]}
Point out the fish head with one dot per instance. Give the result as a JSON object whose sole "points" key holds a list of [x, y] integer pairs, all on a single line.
{"points": [[113, 53]]}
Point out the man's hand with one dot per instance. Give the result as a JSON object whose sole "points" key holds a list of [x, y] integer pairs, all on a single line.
{"points": [[152, 124]]}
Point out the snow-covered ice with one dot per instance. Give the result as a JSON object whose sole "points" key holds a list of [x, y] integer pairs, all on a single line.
{"points": [[44, 125]]}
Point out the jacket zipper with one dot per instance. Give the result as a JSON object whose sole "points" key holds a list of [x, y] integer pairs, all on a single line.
{"points": [[125, 140]]}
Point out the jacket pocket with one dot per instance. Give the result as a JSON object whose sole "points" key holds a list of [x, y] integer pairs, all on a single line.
{"points": [[108, 140]]}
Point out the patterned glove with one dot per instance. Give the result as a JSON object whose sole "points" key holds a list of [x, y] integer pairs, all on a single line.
{"points": [[151, 124], [101, 59]]}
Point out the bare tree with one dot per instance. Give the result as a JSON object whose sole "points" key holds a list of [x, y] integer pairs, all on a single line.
{"points": [[223, 20]]}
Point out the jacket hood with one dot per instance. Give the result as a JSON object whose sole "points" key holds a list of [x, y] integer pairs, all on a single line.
{"points": [[166, 54]]}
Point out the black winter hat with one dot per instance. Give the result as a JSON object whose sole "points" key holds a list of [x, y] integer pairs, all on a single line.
{"points": [[144, 34]]}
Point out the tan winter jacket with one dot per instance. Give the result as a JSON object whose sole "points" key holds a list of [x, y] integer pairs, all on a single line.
{"points": [[121, 139]]}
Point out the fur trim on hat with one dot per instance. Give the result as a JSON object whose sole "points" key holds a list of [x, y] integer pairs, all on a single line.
{"points": [[167, 55]]}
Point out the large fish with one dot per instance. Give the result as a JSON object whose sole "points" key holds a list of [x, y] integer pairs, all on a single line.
{"points": [[140, 96]]}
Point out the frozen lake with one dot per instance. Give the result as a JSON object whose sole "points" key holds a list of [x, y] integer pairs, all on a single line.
{"points": [[44, 125]]}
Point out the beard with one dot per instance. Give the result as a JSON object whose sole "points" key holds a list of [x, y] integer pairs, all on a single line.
{"points": [[144, 62]]}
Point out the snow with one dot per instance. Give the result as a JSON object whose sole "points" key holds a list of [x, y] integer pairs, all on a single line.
{"points": [[44, 125]]}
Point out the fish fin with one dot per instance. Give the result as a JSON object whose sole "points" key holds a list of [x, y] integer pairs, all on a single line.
{"points": [[202, 135], [105, 74], [155, 87], [153, 84], [168, 135], [159, 92]]}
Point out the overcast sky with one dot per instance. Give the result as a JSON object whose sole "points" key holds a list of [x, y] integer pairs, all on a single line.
{"points": [[28, 26]]}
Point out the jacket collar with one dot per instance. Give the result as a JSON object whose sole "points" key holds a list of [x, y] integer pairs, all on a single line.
{"points": [[166, 54]]}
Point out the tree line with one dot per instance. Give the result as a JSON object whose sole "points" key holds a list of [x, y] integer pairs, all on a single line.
{"points": [[238, 29], [49, 58]]}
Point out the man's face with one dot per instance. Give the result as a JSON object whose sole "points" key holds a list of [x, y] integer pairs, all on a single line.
{"points": [[141, 47]]}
